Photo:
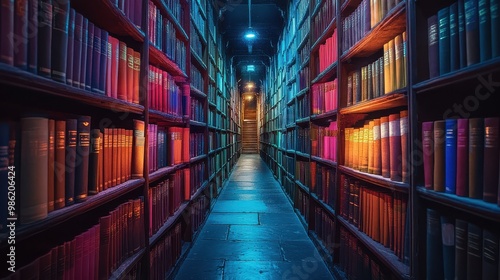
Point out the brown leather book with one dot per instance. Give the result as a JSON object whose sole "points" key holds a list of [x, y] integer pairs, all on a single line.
{"points": [[439, 156], [370, 147], [138, 149], [51, 167], [122, 72]]}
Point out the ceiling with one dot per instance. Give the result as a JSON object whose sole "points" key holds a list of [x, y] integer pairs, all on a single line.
{"points": [[267, 19]]}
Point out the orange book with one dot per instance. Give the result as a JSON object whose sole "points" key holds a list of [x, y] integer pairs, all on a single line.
{"points": [[137, 70], [187, 184], [370, 147], [138, 149], [122, 72], [114, 163], [107, 157], [185, 144], [123, 163]]}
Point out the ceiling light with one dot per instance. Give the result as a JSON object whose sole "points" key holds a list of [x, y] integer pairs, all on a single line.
{"points": [[251, 68], [250, 85], [250, 34]]}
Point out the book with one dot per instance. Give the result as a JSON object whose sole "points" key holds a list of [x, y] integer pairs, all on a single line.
{"points": [[484, 19], [94, 161], [495, 25], [474, 251], [130, 74], [448, 241], [395, 147], [405, 166], [20, 36], [462, 178], [385, 150], [6, 29], [79, 50], [137, 85], [433, 46], [454, 38], [32, 33], [444, 40], [434, 251], [88, 64], [428, 153], [34, 159], [490, 255], [461, 237], [70, 160], [461, 33], [45, 35], [377, 156], [450, 155], [472, 31], [61, 11], [96, 62], [50, 165], [491, 159], [60, 165], [71, 43], [476, 152], [439, 156], [103, 66], [122, 72], [82, 159], [138, 149]]}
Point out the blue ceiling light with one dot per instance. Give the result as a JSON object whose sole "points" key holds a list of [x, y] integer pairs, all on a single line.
{"points": [[251, 68], [250, 34]]}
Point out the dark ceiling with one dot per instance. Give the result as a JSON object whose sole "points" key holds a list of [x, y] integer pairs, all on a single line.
{"points": [[267, 19]]}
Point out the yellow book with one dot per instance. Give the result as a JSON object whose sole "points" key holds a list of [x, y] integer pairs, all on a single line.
{"points": [[387, 72]]}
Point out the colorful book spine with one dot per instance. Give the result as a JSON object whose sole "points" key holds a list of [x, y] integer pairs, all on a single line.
{"points": [[450, 155]]}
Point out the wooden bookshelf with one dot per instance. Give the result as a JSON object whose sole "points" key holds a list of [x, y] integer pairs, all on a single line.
{"points": [[159, 58], [127, 266], [375, 179], [392, 100]]}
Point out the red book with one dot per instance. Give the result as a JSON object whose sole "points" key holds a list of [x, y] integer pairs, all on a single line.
{"points": [[104, 247], [462, 188], [395, 147], [130, 75], [405, 171], [115, 57], [122, 72], [137, 70], [476, 153], [491, 159], [439, 156], [109, 58], [107, 158], [428, 153], [385, 147], [6, 29], [185, 145]]}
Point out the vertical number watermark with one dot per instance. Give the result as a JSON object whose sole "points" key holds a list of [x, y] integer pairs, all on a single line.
{"points": [[11, 218]]}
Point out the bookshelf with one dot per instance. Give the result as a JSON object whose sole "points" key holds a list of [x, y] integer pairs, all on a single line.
{"points": [[150, 118]]}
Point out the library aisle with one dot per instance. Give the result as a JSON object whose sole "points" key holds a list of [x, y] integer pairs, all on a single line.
{"points": [[253, 233]]}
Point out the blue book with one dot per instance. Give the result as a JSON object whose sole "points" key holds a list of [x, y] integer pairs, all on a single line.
{"points": [[448, 240], [450, 155], [461, 34], [444, 40], [4, 165], [454, 38], [96, 61], [104, 62], [495, 26]]}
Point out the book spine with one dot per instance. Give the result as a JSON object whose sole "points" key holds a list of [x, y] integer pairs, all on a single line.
{"points": [[395, 147], [60, 40], [130, 75], [490, 255], [50, 166], [86, 80], [94, 164], [96, 61], [20, 37], [377, 156], [461, 232], [444, 40], [71, 142], [59, 165], [450, 155], [109, 56], [439, 156], [484, 29], [474, 252], [405, 172], [103, 66], [34, 159], [476, 152], [82, 159], [434, 259], [448, 241], [491, 159], [32, 33], [138, 149], [472, 31], [137, 69], [45, 35], [6, 31], [71, 44], [433, 45], [115, 52], [462, 178], [428, 153], [495, 25], [122, 72], [454, 37], [78, 47], [385, 147]]}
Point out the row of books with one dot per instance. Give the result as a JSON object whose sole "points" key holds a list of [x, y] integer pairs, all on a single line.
{"points": [[164, 254], [199, 210], [463, 34], [380, 147], [63, 161], [356, 25], [304, 80], [379, 9], [324, 226], [197, 110], [305, 52], [163, 35], [198, 19], [323, 183], [323, 18], [324, 141], [165, 198], [302, 203], [198, 176], [164, 94], [303, 141], [324, 97], [167, 146], [459, 249], [132, 10], [95, 253], [302, 172], [196, 144], [327, 54], [303, 107], [381, 215], [356, 261], [196, 45], [461, 156], [197, 79]]}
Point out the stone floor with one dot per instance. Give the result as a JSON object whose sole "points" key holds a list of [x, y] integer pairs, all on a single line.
{"points": [[253, 233]]}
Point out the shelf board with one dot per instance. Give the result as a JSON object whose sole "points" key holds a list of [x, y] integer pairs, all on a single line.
{"points": [[327, 33], [22, 79], [459, 76], [302, 92], [198, 93], [328, 116], [160, 59], [395, 99], [385, 255], [327, 74], [291, 62], [303, 19], [107, 16], [290, 126], [349, 6], [302, 186], [290, 151], [165, 117], [290, 102], [198, 61], [212, 104], [393, 24], [291, 81], [128, 265], [197, 158], [301, 154], [172, 19], [303, 121], [303, 41], [306, 63], [477, 207], [199, 191], [62, 215], [197, 123], [155, 176], [325, 206], [171, 221], [327, 162], [375, 179]]}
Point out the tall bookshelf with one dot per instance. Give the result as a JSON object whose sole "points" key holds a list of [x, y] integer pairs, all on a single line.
{"points": [[171, 149]]}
